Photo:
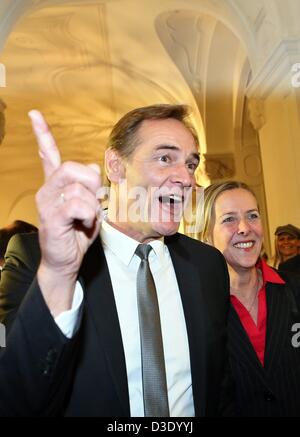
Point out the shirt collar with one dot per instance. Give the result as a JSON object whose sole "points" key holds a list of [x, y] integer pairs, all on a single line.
{"points": [[123, 246], [269, 274]]}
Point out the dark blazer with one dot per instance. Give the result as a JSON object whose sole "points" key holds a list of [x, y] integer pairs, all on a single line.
{"points": [[292, 265], [86, 376], [272, 390]]}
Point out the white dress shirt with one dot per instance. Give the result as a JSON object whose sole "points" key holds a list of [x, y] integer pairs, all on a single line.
{"points": [[123, 265]]}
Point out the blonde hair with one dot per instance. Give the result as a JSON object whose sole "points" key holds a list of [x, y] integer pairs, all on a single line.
{"points": [[211, 193]]}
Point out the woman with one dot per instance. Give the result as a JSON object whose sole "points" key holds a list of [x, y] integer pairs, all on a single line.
{"points": [[262, 326], [287, 239]]}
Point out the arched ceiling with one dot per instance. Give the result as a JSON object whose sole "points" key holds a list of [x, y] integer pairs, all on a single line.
{"points": [[85, 63], [197, 43]]}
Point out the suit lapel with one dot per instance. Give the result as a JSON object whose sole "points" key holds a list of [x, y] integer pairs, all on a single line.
{"points": [[240, 347], [95, 278], [196, 319], [277, 324]]}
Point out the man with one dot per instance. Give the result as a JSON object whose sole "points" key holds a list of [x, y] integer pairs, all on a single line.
{"points": [[85, 297]]}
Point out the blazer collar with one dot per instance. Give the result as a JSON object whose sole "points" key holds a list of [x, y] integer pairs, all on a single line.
{"points": [[278, 317], [278, 320], [94, 276], [240, 347]]}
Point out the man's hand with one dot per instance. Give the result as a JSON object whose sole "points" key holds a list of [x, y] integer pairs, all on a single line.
{"points": [[68, 211]]}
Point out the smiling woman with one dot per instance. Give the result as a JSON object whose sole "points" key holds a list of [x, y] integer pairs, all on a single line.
{"points": [[265, 365], [287, 242], [232, 224]]}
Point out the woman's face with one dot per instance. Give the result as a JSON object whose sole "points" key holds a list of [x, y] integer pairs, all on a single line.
{"points": [[237, 231], [287, 245]]}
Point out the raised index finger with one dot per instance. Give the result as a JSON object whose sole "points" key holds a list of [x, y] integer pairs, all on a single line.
{"points": [[48, 149]]}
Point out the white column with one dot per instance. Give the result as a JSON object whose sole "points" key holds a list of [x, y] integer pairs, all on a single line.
{"points": [[275, 89]]}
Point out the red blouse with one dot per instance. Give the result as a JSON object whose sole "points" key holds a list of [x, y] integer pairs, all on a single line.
{"points": [[257, 333]]}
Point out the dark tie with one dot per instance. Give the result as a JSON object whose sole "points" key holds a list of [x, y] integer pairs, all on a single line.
{"points": [[153, 364]]}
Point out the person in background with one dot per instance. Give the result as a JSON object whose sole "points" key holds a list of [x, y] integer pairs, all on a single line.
{"points": [[292, 265], [264, 353], [287, 242], [16, 227], [85, 285]]}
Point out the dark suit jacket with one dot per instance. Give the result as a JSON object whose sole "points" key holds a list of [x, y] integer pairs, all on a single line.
{"points": [[272, 390], [86, 376], [292, 265]]}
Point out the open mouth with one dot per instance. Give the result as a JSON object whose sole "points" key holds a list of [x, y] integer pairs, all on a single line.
{"points": [[172, 199]]}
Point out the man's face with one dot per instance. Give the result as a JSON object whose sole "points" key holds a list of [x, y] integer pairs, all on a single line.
{"points": [[161, 169]]}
